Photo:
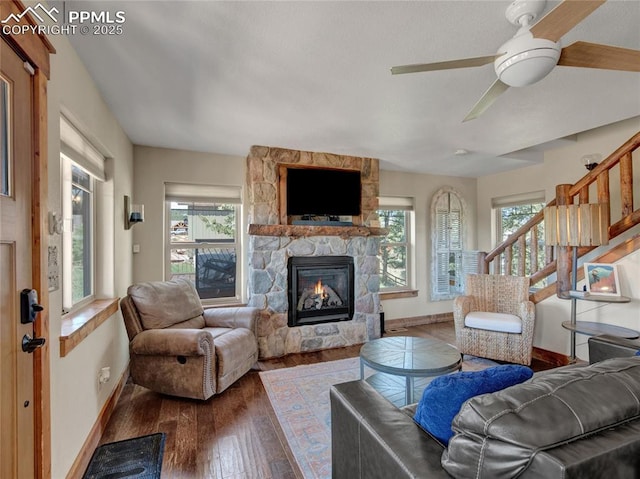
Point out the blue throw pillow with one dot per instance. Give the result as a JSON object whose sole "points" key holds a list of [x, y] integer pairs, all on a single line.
{"points": [[444, 396], [637, 353]]}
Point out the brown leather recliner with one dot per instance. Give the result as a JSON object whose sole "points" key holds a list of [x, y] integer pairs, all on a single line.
{"points": [[178, 348]]}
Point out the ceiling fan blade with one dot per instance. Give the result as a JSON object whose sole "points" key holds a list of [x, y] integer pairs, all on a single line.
{"points": [[448, 65], [563, 18], [494, 91], [595, 55]]}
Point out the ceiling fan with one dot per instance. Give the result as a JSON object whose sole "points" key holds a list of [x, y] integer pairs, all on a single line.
{"points": [[535, 50]]}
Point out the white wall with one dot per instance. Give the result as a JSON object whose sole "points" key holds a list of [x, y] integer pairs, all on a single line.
{"points": [[563, 165], [155, 166], [76, 400], [422, 188], [560, 165], [549, 333]]}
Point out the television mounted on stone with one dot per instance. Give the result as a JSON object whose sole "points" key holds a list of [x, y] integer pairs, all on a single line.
{"points": [[323, 192]]}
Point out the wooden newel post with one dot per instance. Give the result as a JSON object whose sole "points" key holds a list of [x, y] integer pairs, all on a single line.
{"points": [[563, 253], [483, 266]]}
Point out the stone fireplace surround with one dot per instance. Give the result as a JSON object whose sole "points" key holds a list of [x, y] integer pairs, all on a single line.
{"points": [[271, 243]]}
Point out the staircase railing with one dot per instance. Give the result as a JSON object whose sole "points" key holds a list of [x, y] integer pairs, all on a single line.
{"points": [[527, 243]]}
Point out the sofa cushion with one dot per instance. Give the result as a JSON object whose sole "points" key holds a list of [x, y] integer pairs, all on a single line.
{"points": [[161, 304], [443, 397], [502, 322], [499, 435]]}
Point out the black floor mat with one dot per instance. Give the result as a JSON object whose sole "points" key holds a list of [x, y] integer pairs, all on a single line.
{"points": [[136, 458]]}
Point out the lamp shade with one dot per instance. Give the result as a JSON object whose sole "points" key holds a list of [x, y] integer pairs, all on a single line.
{"points": [[577, 225]]}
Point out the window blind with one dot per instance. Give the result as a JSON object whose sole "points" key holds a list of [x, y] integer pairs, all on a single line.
{"points": [[181, 192], [79, 149], [519, 199], [395, 203]]}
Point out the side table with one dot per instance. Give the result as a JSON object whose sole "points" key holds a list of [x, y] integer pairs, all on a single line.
{"points": [[591, 328]]}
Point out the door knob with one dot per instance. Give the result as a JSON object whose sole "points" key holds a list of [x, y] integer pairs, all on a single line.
{"points": [[30, 344], [29, 309]]}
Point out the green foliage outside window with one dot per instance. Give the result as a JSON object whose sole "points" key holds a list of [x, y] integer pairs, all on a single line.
{"points": [[513, 217], [393, 249], [226, 227]]}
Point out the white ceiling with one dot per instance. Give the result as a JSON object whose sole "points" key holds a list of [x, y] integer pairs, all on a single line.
{"points": [[220, 76]]}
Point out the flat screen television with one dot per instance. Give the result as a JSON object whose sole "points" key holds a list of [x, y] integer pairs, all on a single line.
{"points": [[323, 192]]}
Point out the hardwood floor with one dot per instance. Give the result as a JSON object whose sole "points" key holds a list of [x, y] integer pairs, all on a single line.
{"points": [[234, 435]]}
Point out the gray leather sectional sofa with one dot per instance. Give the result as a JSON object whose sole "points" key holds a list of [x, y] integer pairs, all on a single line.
{"points": [[605, 346], [569, 422]]}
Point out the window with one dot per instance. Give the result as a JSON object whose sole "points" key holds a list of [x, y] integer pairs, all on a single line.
{"points": [[5, 134], [396, 215], [448, 230], [203, 225], [81, 234], [82, 167], [510, 213], [78, 235]]}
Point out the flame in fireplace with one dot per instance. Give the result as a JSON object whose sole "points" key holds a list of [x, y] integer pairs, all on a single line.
{"points": [[319, 289]]}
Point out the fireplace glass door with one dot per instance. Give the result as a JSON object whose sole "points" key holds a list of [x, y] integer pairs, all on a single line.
{"points": [[320, 289]]}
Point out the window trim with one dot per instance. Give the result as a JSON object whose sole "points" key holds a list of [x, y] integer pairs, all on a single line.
{"points": [[76, 149], [401, 203], [447, 190]]}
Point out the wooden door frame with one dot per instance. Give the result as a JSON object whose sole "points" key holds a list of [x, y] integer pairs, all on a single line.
{"points": [[36, 50]]}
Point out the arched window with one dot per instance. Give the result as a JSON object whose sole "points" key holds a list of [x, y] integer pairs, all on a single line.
{"points": [[447, 244]]}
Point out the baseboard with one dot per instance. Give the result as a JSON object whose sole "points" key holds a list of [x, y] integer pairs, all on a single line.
{"points": [[93, 439], [550, 357], [418, 320]]}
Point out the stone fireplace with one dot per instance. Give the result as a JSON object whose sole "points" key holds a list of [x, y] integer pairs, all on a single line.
{"points": [[273, 242]]}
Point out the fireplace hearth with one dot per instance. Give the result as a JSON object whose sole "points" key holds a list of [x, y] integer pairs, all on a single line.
{"points": [[321, 289]]}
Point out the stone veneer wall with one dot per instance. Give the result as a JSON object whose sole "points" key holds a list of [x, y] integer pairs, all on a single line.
{"points": [[262, 180], [268, 256]]}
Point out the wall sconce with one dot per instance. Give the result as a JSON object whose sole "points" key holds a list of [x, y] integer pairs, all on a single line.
{"points": [[132, 213], [591, 161]]}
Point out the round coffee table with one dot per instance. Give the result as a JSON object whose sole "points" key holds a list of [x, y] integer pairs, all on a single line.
{"points": [[409, 357]]}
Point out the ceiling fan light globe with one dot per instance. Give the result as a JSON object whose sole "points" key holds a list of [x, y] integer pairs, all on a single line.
{"points": [[527, 60]]}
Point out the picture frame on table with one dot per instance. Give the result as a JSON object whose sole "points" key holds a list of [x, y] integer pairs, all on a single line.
{"points": [[602, 279]]}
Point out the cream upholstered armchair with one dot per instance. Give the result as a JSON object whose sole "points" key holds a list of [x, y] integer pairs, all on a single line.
{"points": [[495, 318], [178, 348]]}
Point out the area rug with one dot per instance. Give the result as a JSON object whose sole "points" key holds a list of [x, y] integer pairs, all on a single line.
{"points": [[136, 458], [300, 398]]}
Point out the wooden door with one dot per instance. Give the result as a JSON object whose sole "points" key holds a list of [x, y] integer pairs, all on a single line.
{"points": [[17, 456]]}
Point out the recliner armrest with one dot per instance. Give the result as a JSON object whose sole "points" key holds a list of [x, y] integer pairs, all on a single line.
{"points": [[172, 342], [241, 317]]}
